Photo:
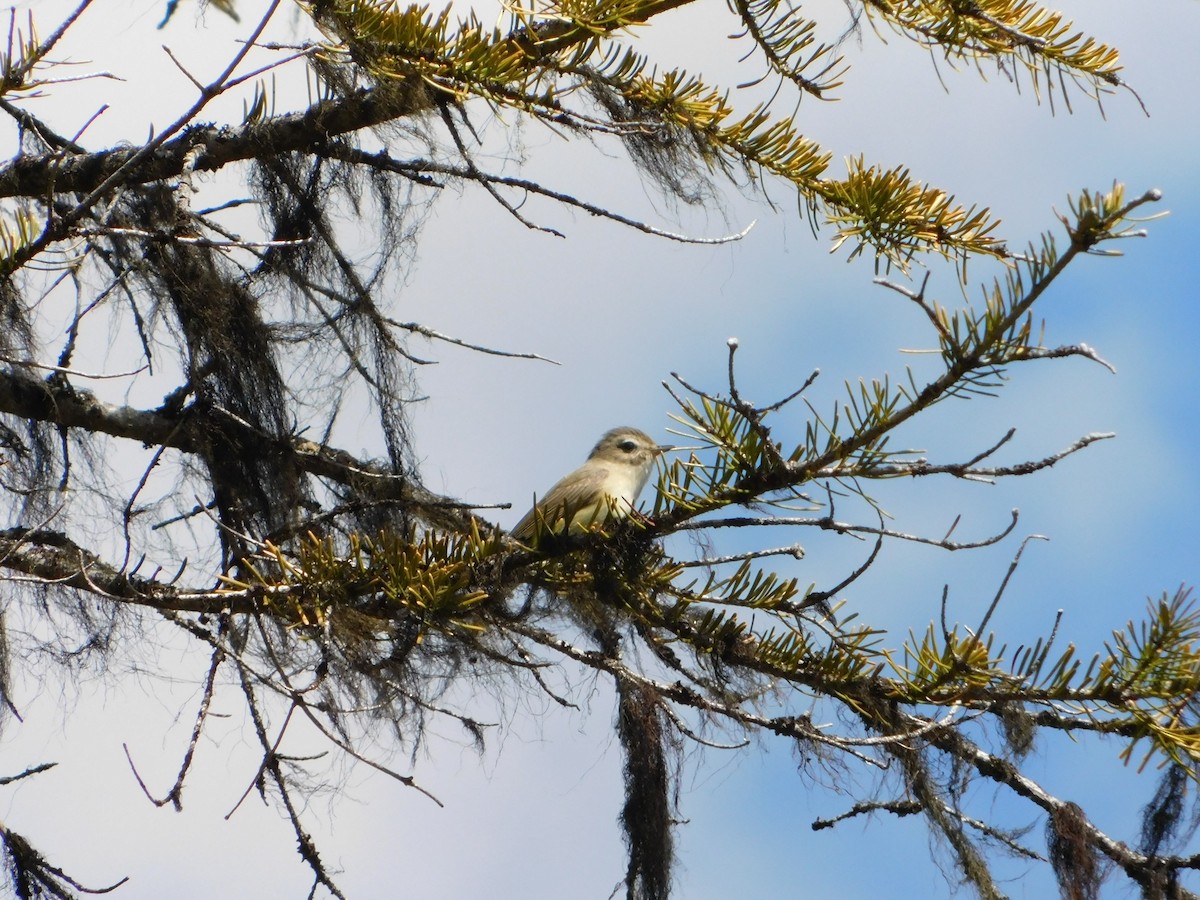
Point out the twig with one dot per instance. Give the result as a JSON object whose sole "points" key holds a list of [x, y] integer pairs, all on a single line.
{"points": [[796, 551], [32, 770], [437, 335], [1012, 568], [412, 168], [828, 523], [61, 225]]}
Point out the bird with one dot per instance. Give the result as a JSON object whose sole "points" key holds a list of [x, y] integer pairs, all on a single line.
{"points": [[604, 488]]}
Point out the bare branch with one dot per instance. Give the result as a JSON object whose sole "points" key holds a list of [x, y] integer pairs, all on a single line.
{"points": [[828, 523], [796, 551], [418, 168]]}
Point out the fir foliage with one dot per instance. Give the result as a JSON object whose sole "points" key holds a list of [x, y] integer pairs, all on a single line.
{"points": [[341, 590]]}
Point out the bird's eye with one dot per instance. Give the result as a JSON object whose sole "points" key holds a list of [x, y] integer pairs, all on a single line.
{"points": [[628, 446]]}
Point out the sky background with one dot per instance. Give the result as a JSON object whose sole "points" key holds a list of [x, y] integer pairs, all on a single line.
{"points": [[535, 816]]}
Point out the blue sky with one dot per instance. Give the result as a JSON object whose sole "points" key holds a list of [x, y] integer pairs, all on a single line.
{"points": [[621, 311]]}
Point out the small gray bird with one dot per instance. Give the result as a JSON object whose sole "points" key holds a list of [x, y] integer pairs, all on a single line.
{"points": [[603, 488]]}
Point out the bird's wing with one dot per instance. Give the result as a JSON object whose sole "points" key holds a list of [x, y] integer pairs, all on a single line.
{"points": [[570, 500]]}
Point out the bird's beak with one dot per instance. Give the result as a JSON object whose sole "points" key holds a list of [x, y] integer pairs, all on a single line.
{"points": [[663, 448]]}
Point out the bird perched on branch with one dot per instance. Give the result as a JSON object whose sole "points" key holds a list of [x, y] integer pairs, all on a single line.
{"points": [[603, 489]]}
